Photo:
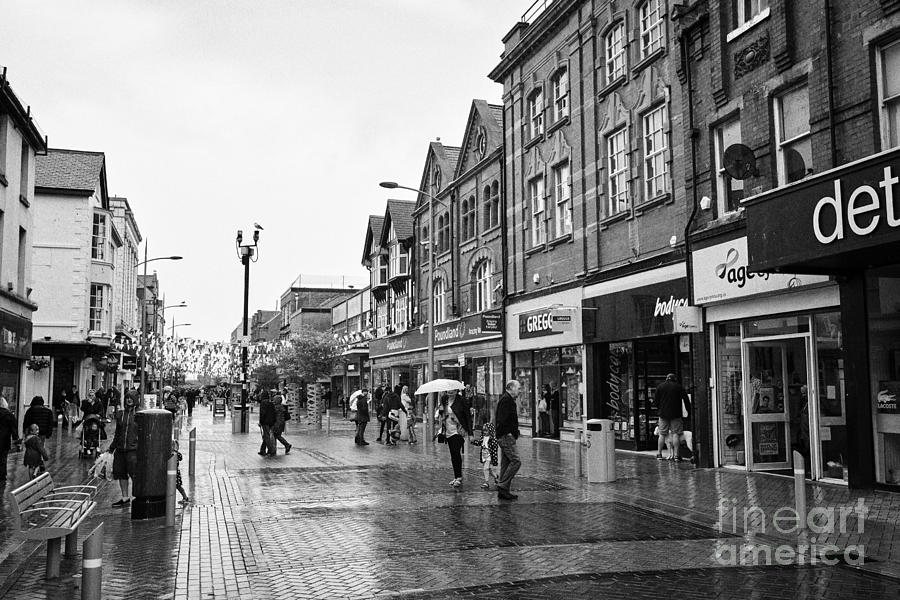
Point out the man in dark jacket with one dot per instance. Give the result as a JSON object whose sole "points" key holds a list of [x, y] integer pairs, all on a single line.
{"points": [[8, 426], [362, 418], [507, 422], [267, 418], [669, 398], [378, 408], [390, 402], [124, 449], [40, 415]]}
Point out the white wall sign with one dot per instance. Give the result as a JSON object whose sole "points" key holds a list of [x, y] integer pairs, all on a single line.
{"points": [[720, 273]]}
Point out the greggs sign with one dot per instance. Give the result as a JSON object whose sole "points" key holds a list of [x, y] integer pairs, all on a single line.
{"points": [[835, 221], [544, 322]]}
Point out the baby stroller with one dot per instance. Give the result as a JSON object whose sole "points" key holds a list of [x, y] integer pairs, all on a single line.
{"points": [[90, 436]]}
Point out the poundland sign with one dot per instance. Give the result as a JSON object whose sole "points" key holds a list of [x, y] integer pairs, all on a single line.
{"points": [[835, 221]]}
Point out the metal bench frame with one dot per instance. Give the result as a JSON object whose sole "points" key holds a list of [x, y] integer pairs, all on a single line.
{"points": [[71, 503]]}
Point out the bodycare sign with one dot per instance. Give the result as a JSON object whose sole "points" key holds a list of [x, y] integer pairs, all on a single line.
{"points": [[832, 221], [638, 312]]}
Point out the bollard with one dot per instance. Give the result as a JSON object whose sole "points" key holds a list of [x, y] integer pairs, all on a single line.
{"points": [[328, 430], [192, 449], [59, 429], [92, 565], [70, 426], [800, 488], [578, 444], [171, 470]]}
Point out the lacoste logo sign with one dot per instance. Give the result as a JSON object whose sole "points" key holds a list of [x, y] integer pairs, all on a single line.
{"points": [[739, 276]]}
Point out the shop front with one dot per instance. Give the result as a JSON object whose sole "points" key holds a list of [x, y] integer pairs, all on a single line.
{"points": [[844, 223], [776, 362], [546, 357], [15, 350], [629, 332]]}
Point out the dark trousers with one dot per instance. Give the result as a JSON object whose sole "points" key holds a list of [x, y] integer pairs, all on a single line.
{"points": [[383, 424], [277, 433], [4, 453], [268, 441], [190, 405], [455, 443], [360, 432], [509, 461]]}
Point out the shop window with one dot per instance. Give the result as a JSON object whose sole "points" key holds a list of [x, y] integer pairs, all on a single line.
{"points": [[729, 191], [656, 169], [523, 372], [793, 142], [615, 53], [888, 75], [620, 389], [570, 376], [832, 406], [884, 370], [776, 326], [617, 172], [652, 27], [729, 395]]}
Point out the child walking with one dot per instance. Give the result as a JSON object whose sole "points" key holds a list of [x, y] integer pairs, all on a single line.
{"points": [[35, 454], [178, 483], [489, 451]]}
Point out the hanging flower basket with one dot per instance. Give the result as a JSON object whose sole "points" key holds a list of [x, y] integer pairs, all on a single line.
{"points": [[36, 364]]}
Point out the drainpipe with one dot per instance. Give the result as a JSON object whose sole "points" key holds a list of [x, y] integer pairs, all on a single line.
{"points": [[685, 61], [829, 61]]}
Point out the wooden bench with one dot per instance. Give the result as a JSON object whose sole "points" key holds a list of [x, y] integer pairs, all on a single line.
{"points": [[45, 512]]}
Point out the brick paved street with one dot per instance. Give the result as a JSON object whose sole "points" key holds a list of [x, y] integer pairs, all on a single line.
{"points": [[332, 520]]}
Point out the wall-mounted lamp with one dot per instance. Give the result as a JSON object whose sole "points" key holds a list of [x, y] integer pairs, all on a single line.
{"points": [[705, 203]]}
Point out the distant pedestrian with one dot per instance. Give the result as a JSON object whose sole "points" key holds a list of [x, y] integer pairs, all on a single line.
{"points": [[179, 483], [267, 418], [170, 400], [35, 454], [362, 417], [378, 408], [124, 448], [456, 427], [282, 415], [409, 405], [489, 455], [40, 415], [114, 401], [507, 424], [671, 400], [8, 430], [191, 397], [543, 412], [392, 409]]}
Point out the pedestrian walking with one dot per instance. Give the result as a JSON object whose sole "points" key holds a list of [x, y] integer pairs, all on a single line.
{"points": [[179, 483], [40, 415], [92, 406], [362, 417], [670, 399], [378, 409], [409, 407], [266, 423], [8, 430], [124, 448], [191, 397], [281, 417], [170, 400], [489, 455], [507, 424], [114, 401], [35, 454], [456, 427], [543, 412], [392, 409]]}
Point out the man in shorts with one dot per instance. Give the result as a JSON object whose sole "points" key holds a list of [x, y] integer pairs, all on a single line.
{"points": [[124, 448], [669, 398]]}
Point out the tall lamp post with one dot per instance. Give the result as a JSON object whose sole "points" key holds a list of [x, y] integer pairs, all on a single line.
{"points": [[245, 253], [173, 335], [391, 185], [144, 335]]}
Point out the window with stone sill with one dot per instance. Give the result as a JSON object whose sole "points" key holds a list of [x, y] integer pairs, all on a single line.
{"points": [[888, 79], [652, 27], [97, 309], [729, 191], [99, 240], [468, 218], [483, 291], [656, 169], [425, 244], [400, 309], [443, 230], [616, 63], [617, 172], [491, 205], [793, 141], [746, 12], [439, 301], [562, 199], [560, 86], [538, 212], [536, 114]]}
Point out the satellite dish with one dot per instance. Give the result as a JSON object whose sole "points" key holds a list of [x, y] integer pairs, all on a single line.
{"points": [[796, 166], [740, 162]]}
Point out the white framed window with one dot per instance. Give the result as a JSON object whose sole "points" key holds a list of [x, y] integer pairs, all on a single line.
{"points": [[562, 199], [400, 310], [99, 238], [560, 85], [425, 245], [793, 143], [656, 169], [729, 191], [617, 171], [382, 270], [888, 76], [97, 309], [538, 212], [381, 319], [439, 300], [468, 218], [483, 291], [652, 27], [615, 53], [536, 114], [748, 12], [393, 253]]}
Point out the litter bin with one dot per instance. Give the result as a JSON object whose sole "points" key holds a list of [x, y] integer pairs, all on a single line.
{"points": [[236, 412], [601, 451], [154, 429]]}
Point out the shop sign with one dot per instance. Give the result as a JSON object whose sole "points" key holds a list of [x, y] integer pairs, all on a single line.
{"points": [[721, 272], [688, 319], [461, 360], [492, 322], [887, 397], [815, 224], [15, 336], [544, 322], [351, 366], [634, 313], [461, 330], [129, 362]]}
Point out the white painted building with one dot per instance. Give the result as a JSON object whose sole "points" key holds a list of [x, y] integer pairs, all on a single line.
{"points": [[126, 310], [75, 247], [20, 140]]}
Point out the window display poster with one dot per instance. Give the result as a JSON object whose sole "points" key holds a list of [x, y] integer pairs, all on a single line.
{"points": [[888, 391], [480, 379], [767, 438]]}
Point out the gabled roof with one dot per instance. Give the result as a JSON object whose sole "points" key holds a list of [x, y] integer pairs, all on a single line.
{"points": [[399, 213], [445, 158], [75, 171], [373, 232], [481, 114]]}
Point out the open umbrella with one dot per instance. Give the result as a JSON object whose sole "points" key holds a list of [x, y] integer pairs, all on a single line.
{"points": [[354, 395], [440, 385]]}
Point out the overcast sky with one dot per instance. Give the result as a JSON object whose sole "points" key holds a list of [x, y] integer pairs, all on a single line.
{"points": [[216, 114]]}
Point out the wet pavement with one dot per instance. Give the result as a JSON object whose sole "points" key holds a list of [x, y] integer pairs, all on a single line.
{"points": [[333, 520]]}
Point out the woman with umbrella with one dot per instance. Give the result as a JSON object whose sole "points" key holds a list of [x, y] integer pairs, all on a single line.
{"points": [[455, 427]]}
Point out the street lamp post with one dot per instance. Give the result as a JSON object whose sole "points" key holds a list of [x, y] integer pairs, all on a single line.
{"points": [[391, 185], [173, 369], [144, 316], [245, 253]]}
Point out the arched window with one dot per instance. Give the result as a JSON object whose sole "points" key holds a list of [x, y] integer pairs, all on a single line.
{"points": [[425, 244], [492, 205], [468, 218], [443, 232], [560, 85], [483, 291], [536, 113], [439, 300]]}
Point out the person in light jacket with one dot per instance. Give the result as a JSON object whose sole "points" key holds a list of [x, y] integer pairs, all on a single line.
{"points": [[456, 425]]}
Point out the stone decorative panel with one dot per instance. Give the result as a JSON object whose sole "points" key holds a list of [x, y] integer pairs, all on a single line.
{"points": [[751, 57]]}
